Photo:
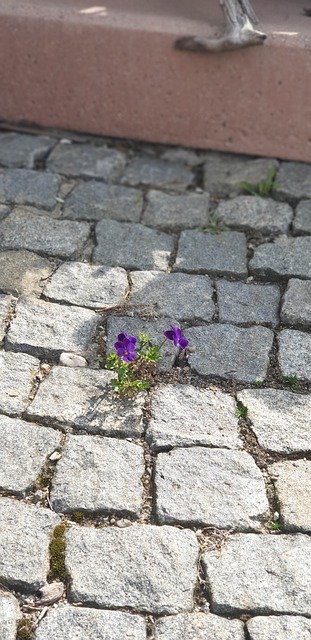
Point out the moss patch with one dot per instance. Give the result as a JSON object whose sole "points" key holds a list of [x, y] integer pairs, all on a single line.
{"points": [[24, 629], [77, 516], [57, 554]]}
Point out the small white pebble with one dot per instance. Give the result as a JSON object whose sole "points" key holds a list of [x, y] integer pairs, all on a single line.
{"points": [[65, 141], [123, 523], [56, 455], [72, 360], [276, 515]]}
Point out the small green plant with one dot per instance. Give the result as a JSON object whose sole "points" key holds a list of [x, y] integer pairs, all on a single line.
{"points": [[258, 383], [57, 554], [241, 411], [262, 188], [292, 380], [77, 516], [275, 526], [24, 629], [215, 225]]}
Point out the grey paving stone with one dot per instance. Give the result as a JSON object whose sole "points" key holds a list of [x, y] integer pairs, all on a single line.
{"points": [[74, 623], [99, 474], [293, 488], [255, 214], [178, 295], [46, 329], [260, 574], [281, 627], [295, 354], [302, 220], [227, 490], [242, 303], [230, 352], [23, 272], [24, 186], [180, 154], [173, 213], [145, 568], [296, 308], [182, 415], [23, 453], [286, 257], [293, 181], [198, 626], [5, 305], [61, 238], [87, 285], [82, 398], [4, 211], [23, 150], [17, 372], [280, 419], [158, 173], [132, 246], [86, 161], [217, 254], [224, 172], [94, 201], [9, 616], [24, 528]]}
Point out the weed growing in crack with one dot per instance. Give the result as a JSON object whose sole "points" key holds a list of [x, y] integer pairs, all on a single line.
{"points": [[215, 225], [57, 554], [275, 526], [292, 380], [262, 188], [241, 411]]}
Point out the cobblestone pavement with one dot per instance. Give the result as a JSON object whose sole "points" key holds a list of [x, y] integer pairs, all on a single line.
{"points": [[183, 514]]}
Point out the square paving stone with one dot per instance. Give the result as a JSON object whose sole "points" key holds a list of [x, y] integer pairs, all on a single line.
{"points": [[242, 303], [131, 246], [87, 285], [142, 567], [285, 258], [230, 352], [224, 172], [86, 161], [293, 489], [94, 201], [46, 329], [77, 623], [198, 626], [61, 238], [23, 272], [24, 186], [24, 450], [23, 150], [295, 354], [175, 295], [210, 487], [158, 173], [5, 305], [173, 213], [260, 574], [182, 415], [17, 373], [99, 474], [9, 616], [217, 254], [280, 419], [83, 399], [302, 220], [293, 181], [255, 215], [296, 308], [24, 529], [281, 627]]}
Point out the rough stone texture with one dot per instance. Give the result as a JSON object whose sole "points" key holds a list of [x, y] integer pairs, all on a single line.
{"points": [[9, 616], [192, 489], [198, 626], [178, 295], [132, 246], [293, 488], [46, 329], [230, 352], [180, 154], [4, 211], [74, 623], [99, 474], [243, 303], [24, 528], [158, 173], [82, 398], [147, 568], [295, 354], [86, 285], [255, 215], [86, 161], [280, 419], [296, 308], [61, 238], [260, 574], [24, 447], [218, 254], [223, 172], [302, 220], [286, 257], [17, 372], [293, 181], [281, 627], [34, 188], [182, 415], [94, 201], [23, 272], [21, 150], [5, 304], [173, 213]]}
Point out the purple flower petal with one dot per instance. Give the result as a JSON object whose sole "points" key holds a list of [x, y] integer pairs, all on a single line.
{"points": [[183, 343]]}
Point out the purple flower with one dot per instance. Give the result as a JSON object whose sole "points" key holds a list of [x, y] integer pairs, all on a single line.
{"points": [[126, 347], [175, 334]]}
